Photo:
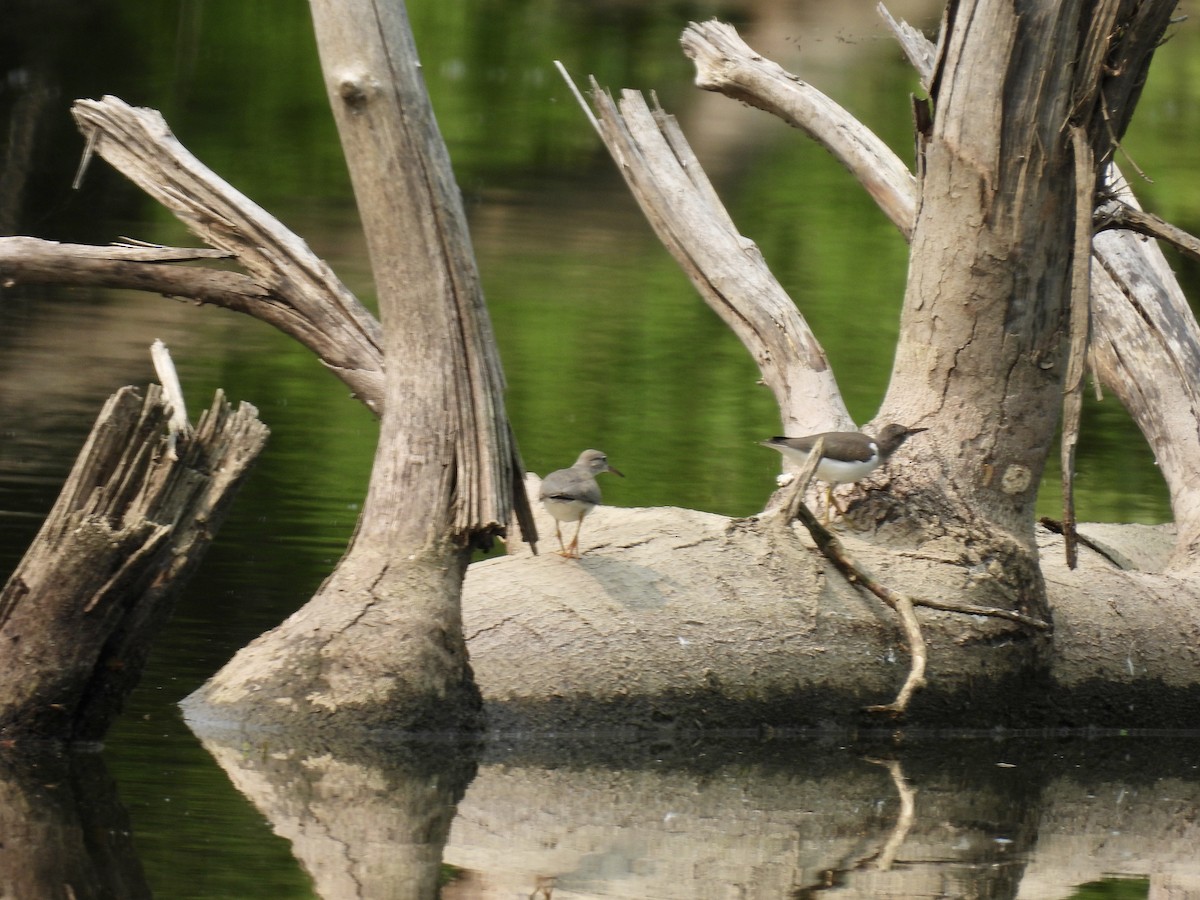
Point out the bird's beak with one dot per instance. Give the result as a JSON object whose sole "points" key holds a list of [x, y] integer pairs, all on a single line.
{"points": [[916, 430], [615, 472]]}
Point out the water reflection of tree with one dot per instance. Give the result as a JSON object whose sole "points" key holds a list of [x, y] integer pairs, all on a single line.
{"points": [[365, 819], [65, 833]]}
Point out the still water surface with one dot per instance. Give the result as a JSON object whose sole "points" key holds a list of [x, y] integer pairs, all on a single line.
{"points": [[604, 344]]}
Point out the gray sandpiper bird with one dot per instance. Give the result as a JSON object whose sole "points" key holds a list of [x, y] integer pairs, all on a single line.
{"points": [[570, 494], [848, 455]]}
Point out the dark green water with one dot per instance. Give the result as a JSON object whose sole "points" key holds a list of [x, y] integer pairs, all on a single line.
{"points": [[603, 340]]}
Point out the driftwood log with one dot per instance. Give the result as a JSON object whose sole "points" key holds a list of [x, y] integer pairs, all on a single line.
{"points": [[683, 619]]}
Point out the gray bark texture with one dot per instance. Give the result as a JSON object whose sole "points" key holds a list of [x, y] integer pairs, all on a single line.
{"points": [[688, 620], [381, 643]]}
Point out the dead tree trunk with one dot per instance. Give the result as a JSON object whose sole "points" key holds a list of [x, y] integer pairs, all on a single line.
{"points": [[982, 353], [140, 508], [381, 643]]}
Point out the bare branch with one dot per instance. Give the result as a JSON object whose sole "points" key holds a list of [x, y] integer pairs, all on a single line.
{"points": [[320, 311], [833, 550], [920, 50], [724, 63], [1080, 329], [1116, 214], [1137, 306], [27, 260], [725, 267]]}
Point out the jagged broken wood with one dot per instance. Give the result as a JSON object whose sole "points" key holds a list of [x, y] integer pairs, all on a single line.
{"points": [[1079, 331], [133, 520]]}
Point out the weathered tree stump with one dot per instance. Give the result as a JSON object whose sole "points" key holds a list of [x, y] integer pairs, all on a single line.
{"points": [[137, 513]]}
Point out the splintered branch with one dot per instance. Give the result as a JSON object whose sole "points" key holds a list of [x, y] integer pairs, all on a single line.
{"points": [[1116, 214], [135, 516], [726, 268], [28, 260], [1080, 330]]}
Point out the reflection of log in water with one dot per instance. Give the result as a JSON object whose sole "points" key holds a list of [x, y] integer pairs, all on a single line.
{"points": [[1094, 825], [978, 818], [65, 834], [364, 819], [788, 819]]}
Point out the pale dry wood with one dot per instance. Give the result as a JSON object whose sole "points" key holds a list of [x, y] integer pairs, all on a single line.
{"points": [[921, 53], [168, 377], [452, 458], [1144, 291], [27, 260], [1079, 330], [303, 296], [78, 614], [380, 644], [1147, 351], [726, 268], [721, 618], [724, 63]]}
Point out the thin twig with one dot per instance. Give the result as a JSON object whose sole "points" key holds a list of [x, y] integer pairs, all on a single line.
{"points": [[1057, 527], [1117, 214], [995, 612], [833, 550], [1079, 328], [579, 98]]}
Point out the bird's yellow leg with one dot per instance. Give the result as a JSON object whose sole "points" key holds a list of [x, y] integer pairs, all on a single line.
{"points": [[562, 548], [573, 547]]}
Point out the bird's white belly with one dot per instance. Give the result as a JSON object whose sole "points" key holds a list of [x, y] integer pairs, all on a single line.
{"points": [[567, 510], [840, 472]]}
